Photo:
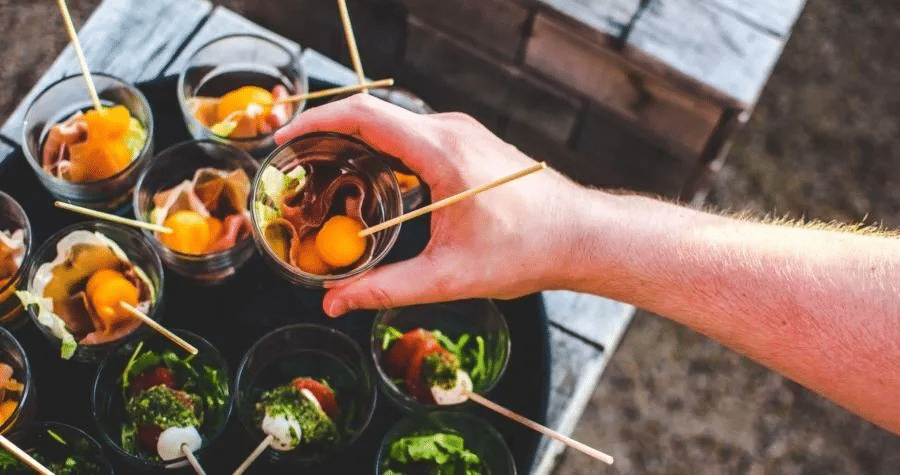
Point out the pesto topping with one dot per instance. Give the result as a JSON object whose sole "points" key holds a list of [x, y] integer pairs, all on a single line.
{"points": [[289, 402], [440, 369], [164, 407]]}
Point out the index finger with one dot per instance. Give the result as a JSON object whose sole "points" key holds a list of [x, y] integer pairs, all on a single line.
{"points": [[386, 127]]}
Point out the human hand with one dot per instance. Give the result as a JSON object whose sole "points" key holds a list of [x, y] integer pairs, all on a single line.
{"points": [[503, 243]]}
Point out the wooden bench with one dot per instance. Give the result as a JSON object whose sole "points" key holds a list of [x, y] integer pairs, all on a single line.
{"points": [[141, 41]]}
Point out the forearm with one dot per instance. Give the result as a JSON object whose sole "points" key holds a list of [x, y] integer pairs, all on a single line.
{"points": [[822, 307]]}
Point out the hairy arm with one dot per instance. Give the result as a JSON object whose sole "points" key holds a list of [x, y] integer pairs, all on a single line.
{"points": [[820, 306]]}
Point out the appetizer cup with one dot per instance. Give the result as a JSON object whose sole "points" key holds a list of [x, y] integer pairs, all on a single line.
{"points": [[233, 61], [175, 166], [468, 319], [59, 102], [15, 250], [479, 438], [139, 253], [308, 351], [108, 400], [332, 151], [410, 185], [61, 448], [12, 354]]}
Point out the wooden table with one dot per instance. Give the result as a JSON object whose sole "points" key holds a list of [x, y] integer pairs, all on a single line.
{"points": [[140, 41]]}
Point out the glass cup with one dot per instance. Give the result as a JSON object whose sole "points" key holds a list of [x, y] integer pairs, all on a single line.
{"points": [[233, 61], [175, 165], [108, 402], [347, 153], [410, 185], [12, 219], [480, 438], [453, 319], [56, 104], [55, 443], [139, 251], [12, 354], [312, 351]]}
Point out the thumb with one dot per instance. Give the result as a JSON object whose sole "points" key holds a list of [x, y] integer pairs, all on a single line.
{"points": [[409, 282]]}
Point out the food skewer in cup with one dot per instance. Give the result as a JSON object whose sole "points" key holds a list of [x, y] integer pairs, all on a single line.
{"points": [[113, 218], [451, 199], [159, 328], [23, 456], [73, 35], [351, 42]]}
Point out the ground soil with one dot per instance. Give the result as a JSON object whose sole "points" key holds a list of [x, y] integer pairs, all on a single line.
{"points": [[822, 144]]}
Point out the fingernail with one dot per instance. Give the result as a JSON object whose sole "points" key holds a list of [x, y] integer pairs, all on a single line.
{"points": [[337, 308]]}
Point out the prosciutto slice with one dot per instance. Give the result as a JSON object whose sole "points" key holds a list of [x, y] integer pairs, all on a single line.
{"points": [[12, 251], [56, 154], [211, 192]]}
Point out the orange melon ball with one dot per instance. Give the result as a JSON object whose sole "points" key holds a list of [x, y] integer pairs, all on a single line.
{"points": [[338, 241], [106, 288], [190, 234], [240, 98], [7, 408], [309, 260]]}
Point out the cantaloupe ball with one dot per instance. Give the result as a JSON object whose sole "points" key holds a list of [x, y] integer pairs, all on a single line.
{"points": [[338, 241], [309, 260], [7, 408], [106, 289], [190, 234], [240, 98]]}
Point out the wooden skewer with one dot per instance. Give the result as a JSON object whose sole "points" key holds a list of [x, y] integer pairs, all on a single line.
{"points": [[111, 217], [254, 455], [351, 41], [337, 90], [192, 460], [161, 329], [23, 456], [605, 458], [451, 199], [85, 71]]}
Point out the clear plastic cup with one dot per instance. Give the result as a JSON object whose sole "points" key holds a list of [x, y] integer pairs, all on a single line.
{"points": [[453, 319], [12, 353], [55, 443], [13, 218], [233, 61], [59, 102], [139, 251], [312, 351], [175, 165], [348, 153], [108, 402], [479, 437]]}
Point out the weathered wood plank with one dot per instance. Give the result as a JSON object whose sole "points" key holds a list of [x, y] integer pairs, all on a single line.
{"points": [[775, 16], [575, 369], [591, 18], [131, 39], [597, 319], [709, 44], [223, 22]]}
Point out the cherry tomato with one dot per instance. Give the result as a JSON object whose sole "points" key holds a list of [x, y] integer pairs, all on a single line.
{"points": [[322, 393], [400, 354], [153, 377], [414, 381], [149, 436]]}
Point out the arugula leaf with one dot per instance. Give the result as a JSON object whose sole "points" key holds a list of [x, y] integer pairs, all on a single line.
{"points": [[9, 461], [445, 452], [388, 335], [479, 370], [129, 438]]}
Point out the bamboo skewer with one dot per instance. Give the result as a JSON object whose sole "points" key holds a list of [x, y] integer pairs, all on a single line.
{"points": [[159, 328], [337, 90], [351, 41], [192, 460], [113, 218], [23, 456], [452, 199], [254, 455], [605, 458], [85, 71]]}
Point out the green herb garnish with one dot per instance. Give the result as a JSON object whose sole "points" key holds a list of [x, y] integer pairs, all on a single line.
{"points": [[442, 453]]}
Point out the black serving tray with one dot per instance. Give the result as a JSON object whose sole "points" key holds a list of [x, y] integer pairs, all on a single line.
{"points": [[255, 301]]}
